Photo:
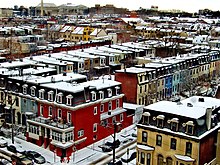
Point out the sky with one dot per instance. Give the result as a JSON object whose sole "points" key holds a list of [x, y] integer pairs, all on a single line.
{"points": [[185, 5]]}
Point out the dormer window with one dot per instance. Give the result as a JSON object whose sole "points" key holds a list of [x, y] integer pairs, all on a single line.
{"points": [[41, 93], [174, 124], [101, 94], [69, 99], [59, 97], [109, 92], [117, 90], [145, 118], [50, 96], [160, 120], [33, 88], [25, 88], [93, 93], [189, 127]]}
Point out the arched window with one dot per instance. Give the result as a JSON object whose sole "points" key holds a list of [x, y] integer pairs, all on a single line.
{"points": [[160, 160], [169, 161]]}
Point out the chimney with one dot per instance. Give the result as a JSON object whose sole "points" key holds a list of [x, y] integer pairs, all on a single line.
{"points": [[208, 118], [42, 8], [218, 149]]}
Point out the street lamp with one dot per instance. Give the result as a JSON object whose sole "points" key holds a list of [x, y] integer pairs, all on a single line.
{"points": [[117, 128]]}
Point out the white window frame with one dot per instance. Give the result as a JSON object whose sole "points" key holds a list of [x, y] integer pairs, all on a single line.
{"points": [[33, 88], [69, 116], [80, 133], [102, 108], [95, 127], [117, 103], [41, 93], [113, 119], [101, 94], [69, 100], [41, 109], [59, 115], [25, 88], [50, 111], [93, 95], [117, 90], [109, 105], [121, 117], [109, 92], [95, 110], [60, 97], [50, 95]]}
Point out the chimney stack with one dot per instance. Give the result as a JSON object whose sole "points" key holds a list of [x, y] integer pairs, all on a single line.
{"points": [[208, 118], [42, 8]]}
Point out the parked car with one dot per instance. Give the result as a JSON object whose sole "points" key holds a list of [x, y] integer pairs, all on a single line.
{"points": [[12, 148], [115, 144], [105, 148], [117, 162], [3, 142], [129, 156], [33, 155], [21, 160]]}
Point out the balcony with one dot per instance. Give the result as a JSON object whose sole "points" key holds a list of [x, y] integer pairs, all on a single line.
{"points": [[51, 123]]}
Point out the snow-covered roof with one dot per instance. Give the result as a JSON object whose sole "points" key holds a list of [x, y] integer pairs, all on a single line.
{"points": [[197, 110], [117, 111], [134, 70], [65, 28], [74, 87], [132, 106], [78, 30]]}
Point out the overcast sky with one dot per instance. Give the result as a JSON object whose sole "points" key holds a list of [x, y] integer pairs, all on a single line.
{"points": [[186, 5]]}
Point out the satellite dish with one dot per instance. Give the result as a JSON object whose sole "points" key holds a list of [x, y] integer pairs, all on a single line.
{"points": [[200, 122]]}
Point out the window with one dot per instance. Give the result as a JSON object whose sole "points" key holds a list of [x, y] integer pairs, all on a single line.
{"points": [[41, 110], [50, 96], [59, 97], [95, 110], [109, 93], [140, 89], [59, 113], [189, 127], [142, 157], [41, 94], [159, 140], [33, 90], [102, 108], [69, 99], [174, 124], [160, 160], [144, 136], [110, 106], [173, 144], [95, 127], [113, 119], [117, 90], [121, 117], [9, 99], [17, 101], [81, 133], [101, 95], [50, 109], [57, 136], [25, 88], [33, 129], [93, 95], [117, 103], [68, 136], [188, 148], [148, 159], [169, 161], [68, 117], [160, 120]]}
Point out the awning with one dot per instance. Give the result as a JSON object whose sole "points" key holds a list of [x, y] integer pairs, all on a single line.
{"points": [[184, 158]]}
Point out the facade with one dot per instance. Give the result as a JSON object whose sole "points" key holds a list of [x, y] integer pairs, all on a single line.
{"points": [[71, 9], [179, 133], [62, 108], [49, 9]]}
